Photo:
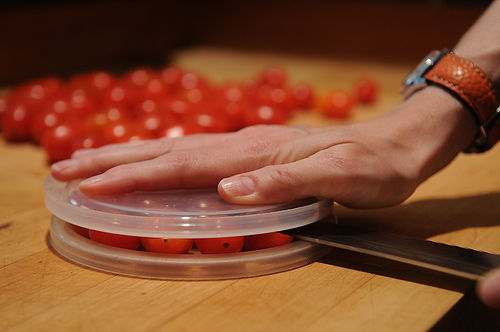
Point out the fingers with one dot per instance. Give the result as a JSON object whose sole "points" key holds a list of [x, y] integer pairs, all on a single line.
{"points": [[89, 162], [192, 168], [198, 162], [350, 176], [489, 289]]}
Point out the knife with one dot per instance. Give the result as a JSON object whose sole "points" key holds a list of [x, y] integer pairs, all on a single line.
{"points": [[462, 262]]}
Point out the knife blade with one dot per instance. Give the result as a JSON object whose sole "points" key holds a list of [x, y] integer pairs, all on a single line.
{"points": [[458, 261]]}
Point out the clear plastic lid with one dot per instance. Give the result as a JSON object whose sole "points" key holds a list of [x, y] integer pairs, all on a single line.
{"points": [[144, 264], [177, 213]]}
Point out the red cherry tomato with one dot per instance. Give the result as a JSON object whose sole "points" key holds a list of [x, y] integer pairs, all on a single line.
{"points": [[181, 129], [273, 76], [95, 83], [208, 122], [191, 80], [170, 246], [139, 77], [154, 89], [124, 131], [220, 245], [337, 104], [58, 141], [81, 103], [267, 240], [366, 90], [156, 123], [3, 107], [16, 122], [43, 121], [88, 140], [303, 95], [264, 114], [147, 106], [171, 76], [121, 95], [81, 230], [115, 240]]}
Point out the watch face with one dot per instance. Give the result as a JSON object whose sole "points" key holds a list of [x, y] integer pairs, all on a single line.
{"points": [[415, 80]]}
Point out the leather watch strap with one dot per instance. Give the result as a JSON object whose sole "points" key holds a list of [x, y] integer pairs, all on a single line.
{"points": [[476, 90]]}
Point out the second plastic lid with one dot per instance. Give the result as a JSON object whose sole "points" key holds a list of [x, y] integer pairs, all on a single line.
{"points": [[177, 213]]}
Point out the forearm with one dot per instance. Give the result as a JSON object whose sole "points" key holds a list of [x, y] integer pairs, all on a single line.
{"points": [[481, 43]]}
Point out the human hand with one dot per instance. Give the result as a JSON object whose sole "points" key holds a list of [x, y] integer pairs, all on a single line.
{"points": [[488, 289], [370, 164]]}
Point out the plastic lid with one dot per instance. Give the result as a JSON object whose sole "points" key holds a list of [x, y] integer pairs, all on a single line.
{"points": [[177, 213], [180, 266]]}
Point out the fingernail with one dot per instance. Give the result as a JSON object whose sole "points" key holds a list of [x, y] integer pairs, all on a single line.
{"points": [[238, 186], [64, 165], [93, 180]]}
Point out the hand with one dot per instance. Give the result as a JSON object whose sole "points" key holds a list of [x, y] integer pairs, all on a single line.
{"points": [[370, 164], [489, 289]]}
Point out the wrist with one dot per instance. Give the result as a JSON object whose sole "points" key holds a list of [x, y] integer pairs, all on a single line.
{"points": [[434, 126]]}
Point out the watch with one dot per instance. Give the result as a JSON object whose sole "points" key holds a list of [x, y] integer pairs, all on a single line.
{"points": [[467, 82]]}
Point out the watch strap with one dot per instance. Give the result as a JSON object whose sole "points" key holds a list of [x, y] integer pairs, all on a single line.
{"points": [[476, 90]]}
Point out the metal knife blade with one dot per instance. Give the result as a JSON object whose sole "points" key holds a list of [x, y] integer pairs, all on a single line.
{"points": [[466, 263]]}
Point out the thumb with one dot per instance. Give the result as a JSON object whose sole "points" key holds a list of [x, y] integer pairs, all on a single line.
{"points": [[279, 183], [489, 289]]}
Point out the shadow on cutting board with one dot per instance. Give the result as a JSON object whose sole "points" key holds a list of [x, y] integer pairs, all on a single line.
{"points": [[424, 219], [427, 218]]}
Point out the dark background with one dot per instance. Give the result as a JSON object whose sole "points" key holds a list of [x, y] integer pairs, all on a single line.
{"points": [[64, 37]]}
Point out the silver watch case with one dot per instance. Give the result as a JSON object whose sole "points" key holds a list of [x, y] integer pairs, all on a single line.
{"points": [[415, 80]]}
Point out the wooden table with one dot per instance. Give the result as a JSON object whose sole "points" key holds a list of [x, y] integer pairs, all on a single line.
{"points": [[39, 290]]}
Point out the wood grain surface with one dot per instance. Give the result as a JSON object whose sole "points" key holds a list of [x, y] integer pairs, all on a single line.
{"points": [[40, 291]]}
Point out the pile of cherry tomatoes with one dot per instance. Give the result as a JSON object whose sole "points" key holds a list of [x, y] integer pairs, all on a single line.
{"points": [[98, 108], [183, 246]]}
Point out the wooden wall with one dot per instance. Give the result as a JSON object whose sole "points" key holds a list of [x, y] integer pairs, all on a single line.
{"points": [[67, 37]]}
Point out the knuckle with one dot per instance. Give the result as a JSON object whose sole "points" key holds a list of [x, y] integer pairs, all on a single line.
{"points": [[281, 176], [165, 145]]}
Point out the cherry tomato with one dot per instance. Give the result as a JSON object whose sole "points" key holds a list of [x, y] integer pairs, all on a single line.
{"points": [[81, 103], [3, 107], [273, 76], [156, 123], [336, 104], [154, 89], [121, 95], [43, 121], [276, 97], [115, 240], [208, 122], [170, 246], [147, 106], [179, 107], [88, 140], [16, 122], [124, 131], [57, 141], [181, 129], [366, 90], [267, 240], [234, 113], [34, 94], [96, 83], [264, 114], [139, 77], [220, 245], [171, 76], [303, 95], [191, 80], [81, 230]]}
